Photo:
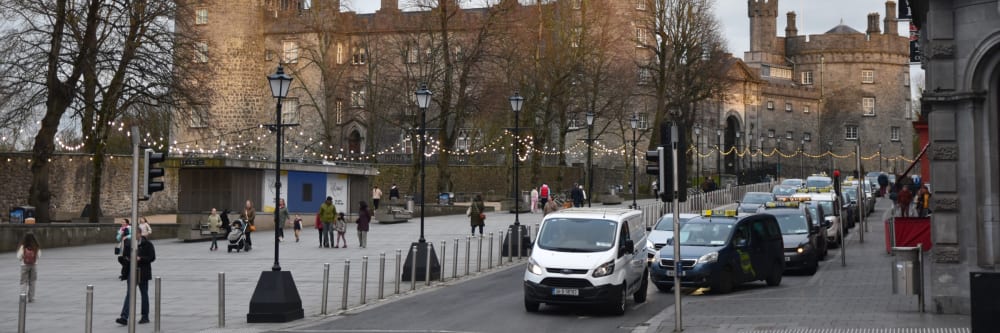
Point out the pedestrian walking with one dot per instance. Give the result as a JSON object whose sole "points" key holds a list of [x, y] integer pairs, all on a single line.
{"points": [[923, 201], [364, 218], [297, 227], [394, 192], [883, 184], [214, 226], [282, 219], [477, 214], [147, 230], [376, 197], [584, 194], [341, 227], [28, 253], [144, 265], [327, 215], [534, 200], [904, 198], [550, 207], [226, 224], [319, 229], [248, 215], [544, 195], [576, 194]]}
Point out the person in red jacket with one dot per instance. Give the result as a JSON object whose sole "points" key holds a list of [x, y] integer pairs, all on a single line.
{"points": [[904, 198], [543, 194]]}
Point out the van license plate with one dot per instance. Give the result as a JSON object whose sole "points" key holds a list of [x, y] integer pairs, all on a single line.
{"points": [[565, 292], [788, 258]]}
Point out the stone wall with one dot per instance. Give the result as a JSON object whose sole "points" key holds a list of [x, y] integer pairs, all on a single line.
{"points": [[72, 234], [70, 185]]}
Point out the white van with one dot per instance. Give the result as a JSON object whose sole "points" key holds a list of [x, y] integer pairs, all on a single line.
{"points": [[588, 256]]}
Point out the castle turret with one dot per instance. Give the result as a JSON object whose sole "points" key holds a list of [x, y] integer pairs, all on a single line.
{"points": [[763, 24], [790, 29], [389, 5], [873, 25], [891, 21]]}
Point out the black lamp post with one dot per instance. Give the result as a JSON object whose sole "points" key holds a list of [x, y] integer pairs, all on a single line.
{"points": [[516, 102], [718, 160], [802, 160], [424, 248], [879, 156], [697, 139], [829, 150], [276, 299], [760, 150], [590, 163], [778, 155], [634, 123], [738, 158]]}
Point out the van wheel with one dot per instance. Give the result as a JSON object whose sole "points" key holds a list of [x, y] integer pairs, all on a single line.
{"points": [[640, 295], [775, 278], [617, 305], [530, 306], [724, 284], [811, 270]]}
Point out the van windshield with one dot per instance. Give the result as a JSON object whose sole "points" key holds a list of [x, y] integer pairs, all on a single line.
{"points": [[577, 235], [705, 234]]}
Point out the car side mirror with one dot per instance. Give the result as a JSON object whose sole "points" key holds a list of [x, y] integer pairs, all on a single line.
{"points": [[648, 229], [741, 243], [629, 246], [826, 223]]}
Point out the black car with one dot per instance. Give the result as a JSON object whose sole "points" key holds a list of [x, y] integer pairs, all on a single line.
{"points": [[819, 221], [802, 239]]}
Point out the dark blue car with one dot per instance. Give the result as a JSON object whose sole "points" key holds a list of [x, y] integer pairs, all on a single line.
{"points": [[721, 252]]}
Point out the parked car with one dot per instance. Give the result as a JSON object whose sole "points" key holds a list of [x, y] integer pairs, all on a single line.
{"points": [[818, 219], [801, 236], [794, 182], [721, 252], [783, 191], [827, 201], [588, 256], [815, 183], [662, 231], [753, 200]]}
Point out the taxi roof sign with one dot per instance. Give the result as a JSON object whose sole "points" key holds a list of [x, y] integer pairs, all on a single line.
{"points": [[726, 213], [782, 204]]}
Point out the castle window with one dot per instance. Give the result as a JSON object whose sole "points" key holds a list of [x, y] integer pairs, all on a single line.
{"points": [[770, 133], [645, 76], [201, 52], [577, 4], [789, 135], [770, 105], [290, 52], [340, 54], [358, 99], [201, 16], [894, 133], [765, 70], [868, 105], [199, 117], [807, 77], [406, 144], [573, 124], [339, 109], [851, 132], [868, 76], [805, 109], [577, 37], [412, 55], [643, 121], [788, 107], [807, 136], [640, 4], [359, 56], [290, 111], [640, 37]]}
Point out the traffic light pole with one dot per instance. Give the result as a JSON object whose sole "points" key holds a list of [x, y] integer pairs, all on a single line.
{"points": [[678, 267], [134, 244]]}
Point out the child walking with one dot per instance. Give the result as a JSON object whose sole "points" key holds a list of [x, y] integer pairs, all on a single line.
{"points": [[297, 226], [341, 227], [28, 253]]}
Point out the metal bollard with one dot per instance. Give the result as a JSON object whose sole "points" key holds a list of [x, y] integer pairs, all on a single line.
{"points": [[381, 275], [479, 255], [468, 246], [88, 323], [222, 299], [22, 309], [399, 262], [347, 280], [510, 246], [413, 268], [520, 247], [364, 278], [444, 257], [489, 253], [326, 289], [427, 272], [500, 250], [156, 313], [454, 264]]}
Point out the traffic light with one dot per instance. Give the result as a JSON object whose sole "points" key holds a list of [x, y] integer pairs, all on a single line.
{"points": [[661, 164], [656, 161], [152, 173]]}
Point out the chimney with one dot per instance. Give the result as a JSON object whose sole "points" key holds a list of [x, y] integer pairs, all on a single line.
{"points": [[891, 20], [873, 27], [790, 29], [389, 6]]}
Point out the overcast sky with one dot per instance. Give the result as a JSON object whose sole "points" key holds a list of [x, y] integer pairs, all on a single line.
{"points": [[813, 16]]}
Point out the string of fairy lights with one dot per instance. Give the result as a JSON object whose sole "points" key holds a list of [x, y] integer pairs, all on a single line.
{"points": [[247, 143]]}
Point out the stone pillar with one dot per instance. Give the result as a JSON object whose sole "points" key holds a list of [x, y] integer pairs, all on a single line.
{"points": [[790, 29]]}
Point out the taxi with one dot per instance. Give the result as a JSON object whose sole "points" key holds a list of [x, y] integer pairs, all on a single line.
{"points": [[721, 251], [802, 238]]}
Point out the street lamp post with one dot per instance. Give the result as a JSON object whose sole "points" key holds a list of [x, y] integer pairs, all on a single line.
{"points": [[590, 163], [738, 158], [718, 146], [697, 138], [760, 150], [829, 150], [424, 248], [634, 122], [879, 156], [778, 154], [802, 160], [516, 102], [276, 299]]}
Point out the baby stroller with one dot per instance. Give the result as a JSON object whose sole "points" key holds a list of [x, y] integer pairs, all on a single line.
{"points": [[237, 236]]}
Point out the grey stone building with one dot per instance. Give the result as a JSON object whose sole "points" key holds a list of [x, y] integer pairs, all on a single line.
{"points": [[960, 41]]}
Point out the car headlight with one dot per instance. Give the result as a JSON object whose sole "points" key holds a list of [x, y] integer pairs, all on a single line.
{"points": [[709, 258], [534, 267], [605, 269]]}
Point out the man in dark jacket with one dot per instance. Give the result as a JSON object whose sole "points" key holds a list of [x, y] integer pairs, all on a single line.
{"points": [[883, 184], [144, 272], [577, 195]]}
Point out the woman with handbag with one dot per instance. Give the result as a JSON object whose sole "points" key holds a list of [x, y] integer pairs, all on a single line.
{"points": [[248, 215], [477, 215]]}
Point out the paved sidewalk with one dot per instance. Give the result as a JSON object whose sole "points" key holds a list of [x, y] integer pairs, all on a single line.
{"points": [[853, 298], [189, 275]]}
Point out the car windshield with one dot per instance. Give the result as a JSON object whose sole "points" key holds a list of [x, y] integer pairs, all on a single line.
{"points": [[756, 198], [792, 182], [820, 182], [792, 224], [577, 235], [827, 205], [851, 193], [667, 223], [783, 190], [705, 234], [814, 213]]}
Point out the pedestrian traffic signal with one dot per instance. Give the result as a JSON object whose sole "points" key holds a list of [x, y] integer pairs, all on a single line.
{"points": [[152, 173], [656, 166], [672, 137]]}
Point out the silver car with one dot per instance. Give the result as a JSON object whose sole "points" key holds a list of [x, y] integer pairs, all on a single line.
{"points": [[662, 231]]}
